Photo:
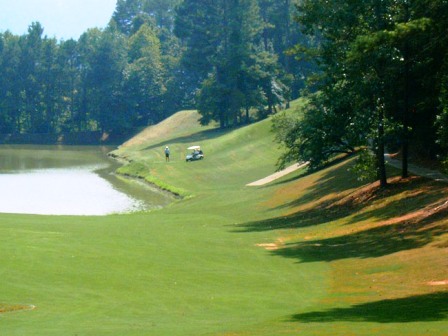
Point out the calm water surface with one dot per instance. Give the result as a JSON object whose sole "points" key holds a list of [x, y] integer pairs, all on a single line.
{"points": [[63, 180]]}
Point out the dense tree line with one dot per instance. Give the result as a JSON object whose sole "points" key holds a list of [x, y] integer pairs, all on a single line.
{"points": [[235, 55], [381, 82], [226, 58], [110, 80]]}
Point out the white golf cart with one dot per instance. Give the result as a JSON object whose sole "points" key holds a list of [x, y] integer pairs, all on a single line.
{"points": [[196, 154]]}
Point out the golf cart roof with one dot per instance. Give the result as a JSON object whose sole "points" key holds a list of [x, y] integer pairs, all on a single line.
{"points": [[194, 148]]}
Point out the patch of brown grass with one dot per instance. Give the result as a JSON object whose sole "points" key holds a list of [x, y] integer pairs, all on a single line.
{"points": [[176, 122], [5, 308], [400, 274]]}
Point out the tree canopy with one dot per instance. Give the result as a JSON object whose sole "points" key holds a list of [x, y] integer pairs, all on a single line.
{"points": [[382, 66]]}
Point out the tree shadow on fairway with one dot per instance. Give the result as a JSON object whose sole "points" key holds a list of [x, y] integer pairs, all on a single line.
{"points": [[429, 307], [306, 171], [369, 202], [336, 180], [375, 242], [420, 193], [301, 219], [336, 194], [415, 194]]}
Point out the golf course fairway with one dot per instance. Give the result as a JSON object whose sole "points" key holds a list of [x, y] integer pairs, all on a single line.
{"points": [[309, 254]]}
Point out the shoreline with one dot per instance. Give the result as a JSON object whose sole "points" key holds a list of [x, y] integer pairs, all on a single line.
{"points": [[177, 194]]}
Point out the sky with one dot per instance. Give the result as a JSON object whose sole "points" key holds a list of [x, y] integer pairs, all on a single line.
{"points": [[62, 19]]}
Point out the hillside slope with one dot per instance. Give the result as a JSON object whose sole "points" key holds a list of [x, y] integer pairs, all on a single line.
{"points": [[233, 158], [180, 124]]}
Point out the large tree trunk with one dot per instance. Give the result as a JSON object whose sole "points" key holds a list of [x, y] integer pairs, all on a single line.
{"points": [[405, 140], [382, 175]]}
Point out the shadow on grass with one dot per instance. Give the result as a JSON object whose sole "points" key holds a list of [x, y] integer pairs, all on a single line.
{"points": [[420, 193], [335, 181], [376, 242], [402, 233], [429, 307], [301, 219], [333, 210], [306, 171]]}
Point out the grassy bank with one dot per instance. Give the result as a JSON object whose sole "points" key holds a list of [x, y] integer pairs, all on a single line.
{"points": [[317, 254]]}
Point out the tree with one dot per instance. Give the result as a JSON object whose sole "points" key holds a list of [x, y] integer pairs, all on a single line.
{"points": [[239, 38], [199, 27], [163, 11], [104, 57], [108, 63], [224, 56], [10, 93], [51, 95], [125, 13], [333, 122], [68, 62], [370, 51], [144, 77], [29, 68], [280, 35]]}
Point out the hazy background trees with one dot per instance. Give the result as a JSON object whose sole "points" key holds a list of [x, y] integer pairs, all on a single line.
{"points": [[226, 58]]}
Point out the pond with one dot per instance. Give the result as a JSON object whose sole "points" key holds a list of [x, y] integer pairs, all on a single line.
{"points": [[67, 180]]}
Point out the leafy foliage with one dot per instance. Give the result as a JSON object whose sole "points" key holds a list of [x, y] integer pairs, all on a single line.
{"points": [[365, 166], [381, 65]]}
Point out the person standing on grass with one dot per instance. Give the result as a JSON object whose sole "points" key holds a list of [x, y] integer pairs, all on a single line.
{"points": [[167, 154]]}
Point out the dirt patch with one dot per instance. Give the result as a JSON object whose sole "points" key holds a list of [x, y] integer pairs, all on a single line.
{"points": [[269, 246], [4, 308], [438, 283], [272, 246]]}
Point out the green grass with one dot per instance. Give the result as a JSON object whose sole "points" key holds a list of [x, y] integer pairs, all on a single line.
{"points": [[197, 267]]}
